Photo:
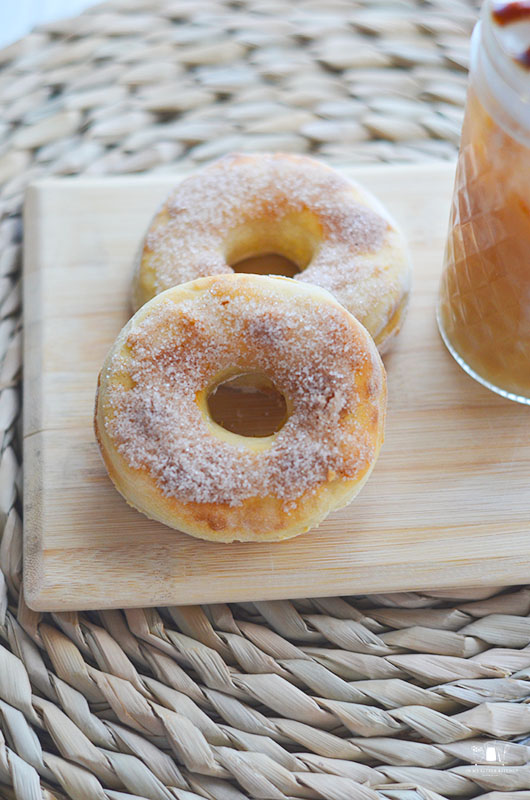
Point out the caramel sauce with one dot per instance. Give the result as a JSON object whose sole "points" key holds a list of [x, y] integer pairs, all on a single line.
{"points": [[485, 291], [507, 13], [524, 58]]}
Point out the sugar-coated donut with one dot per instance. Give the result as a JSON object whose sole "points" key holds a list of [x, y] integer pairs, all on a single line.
{"points": [[245, 205], [170, 460]]}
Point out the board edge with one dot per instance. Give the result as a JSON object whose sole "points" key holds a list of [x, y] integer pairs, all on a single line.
{"points": [[32, 390]]}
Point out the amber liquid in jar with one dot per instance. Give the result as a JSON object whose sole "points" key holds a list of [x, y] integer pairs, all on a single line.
{"points": [[484, 306]]}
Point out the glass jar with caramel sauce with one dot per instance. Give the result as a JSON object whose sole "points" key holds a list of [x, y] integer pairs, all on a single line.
{"points": [[484, 304]]}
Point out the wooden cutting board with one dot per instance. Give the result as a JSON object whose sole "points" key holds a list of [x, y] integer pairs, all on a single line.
{"points": [[448, 503]]}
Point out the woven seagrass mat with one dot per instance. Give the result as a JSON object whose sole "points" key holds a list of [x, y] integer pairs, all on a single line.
{"points": [[405, 696]]}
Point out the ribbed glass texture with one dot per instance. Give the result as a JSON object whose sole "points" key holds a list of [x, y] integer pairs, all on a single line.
{"points": [[484, 306]]}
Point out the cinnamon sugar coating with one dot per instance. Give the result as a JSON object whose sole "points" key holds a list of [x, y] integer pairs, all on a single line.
{"points": [[249, 204], [315, 353]]}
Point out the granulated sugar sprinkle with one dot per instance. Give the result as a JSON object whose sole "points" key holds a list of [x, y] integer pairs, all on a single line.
{"points": [[310, 351], [238, 189]]}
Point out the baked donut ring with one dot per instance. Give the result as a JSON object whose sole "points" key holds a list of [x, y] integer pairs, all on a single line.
{"points": [[246, 205], [170, 460]]}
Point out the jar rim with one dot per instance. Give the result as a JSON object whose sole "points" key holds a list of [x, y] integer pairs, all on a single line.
{"points": [[505, 44], [502, 82]]}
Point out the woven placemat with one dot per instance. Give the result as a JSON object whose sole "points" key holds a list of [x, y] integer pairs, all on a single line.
{"points": [[404, 696]]}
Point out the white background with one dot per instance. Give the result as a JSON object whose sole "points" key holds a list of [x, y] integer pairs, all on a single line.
{"points": [[18, 17]]}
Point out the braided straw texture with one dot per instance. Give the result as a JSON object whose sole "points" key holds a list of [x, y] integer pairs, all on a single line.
{"points": [[406, 696]]}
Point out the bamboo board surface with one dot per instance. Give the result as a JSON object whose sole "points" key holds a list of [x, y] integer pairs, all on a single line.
{"points": [[447, 504]]}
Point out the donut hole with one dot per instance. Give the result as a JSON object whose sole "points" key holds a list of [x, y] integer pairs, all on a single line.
{"points": [[283, 246], [248, 404], [267, 264]]}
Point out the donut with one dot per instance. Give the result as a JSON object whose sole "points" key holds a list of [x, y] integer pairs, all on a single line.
{"points": [[169, 458], [244, 205]]}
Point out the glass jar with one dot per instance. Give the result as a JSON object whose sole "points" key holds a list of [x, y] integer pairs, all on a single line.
{"points": [[484, 304]]}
